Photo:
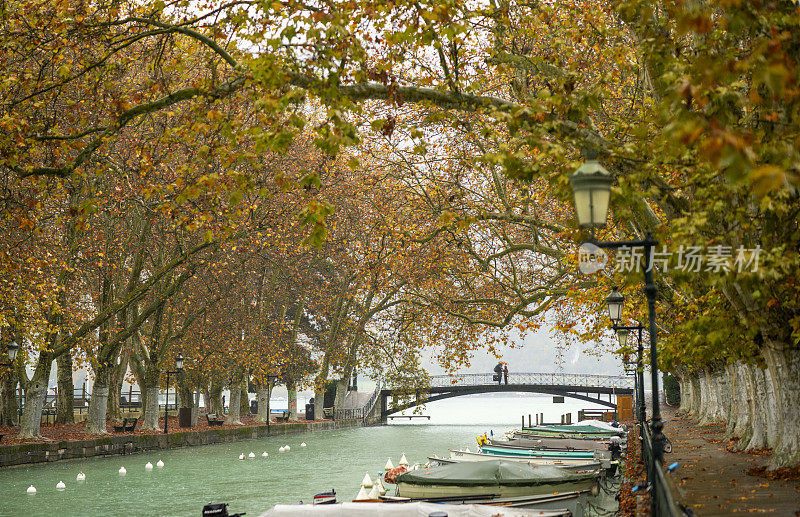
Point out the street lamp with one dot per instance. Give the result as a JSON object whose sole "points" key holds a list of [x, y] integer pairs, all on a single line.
{"points": [[622, 336], [614, 302], [11, 349], [591, 187], [178, 369]]}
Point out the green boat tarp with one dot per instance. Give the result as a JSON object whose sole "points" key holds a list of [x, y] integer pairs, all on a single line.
{"points": [[492, 472], [572, 429]]}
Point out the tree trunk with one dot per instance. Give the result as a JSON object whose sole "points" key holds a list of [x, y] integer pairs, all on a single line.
{"points": [[8, 398], [234, 405], [35, 393], [244, 400], [215, 397], [65, 412], [263, 403], [96, 421], [341, 392], [150, 410], [320, 384], [784, 365], [115, 390], [291, 390], [195, 408]]}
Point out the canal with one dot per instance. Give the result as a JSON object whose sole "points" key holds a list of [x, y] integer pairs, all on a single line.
{"points": [[194, 476]]}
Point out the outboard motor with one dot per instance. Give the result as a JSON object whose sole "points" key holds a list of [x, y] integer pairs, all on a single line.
{"points": [[615, 448], [219, 510]]}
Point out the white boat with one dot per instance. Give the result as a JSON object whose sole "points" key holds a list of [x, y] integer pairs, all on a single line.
{"points": [[410, 509], [463, 456]]}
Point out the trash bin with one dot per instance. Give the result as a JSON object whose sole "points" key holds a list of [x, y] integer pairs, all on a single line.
{"points": [[309, 411], [185, 417], [253, 407]]}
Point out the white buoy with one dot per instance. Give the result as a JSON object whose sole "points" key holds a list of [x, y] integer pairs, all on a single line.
{"points": [[31, 489], [367, 481], [287, 448], [160, 464], [80, 477], [280, 449], [60, 485], [251, 455], [148, 466], [362, 495], [389, 466], [403, 461], [303, 444], [374, 493], [264, 454], [122, 471], [241, 456]]}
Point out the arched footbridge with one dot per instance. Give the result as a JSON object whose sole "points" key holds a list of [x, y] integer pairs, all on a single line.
{"points": [[587, 387]]}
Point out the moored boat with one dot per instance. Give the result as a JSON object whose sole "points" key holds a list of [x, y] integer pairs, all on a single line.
{"points": [[535, 453], [583, 429], [555, 444], [497, 478], [408, 509], [471, 457]]}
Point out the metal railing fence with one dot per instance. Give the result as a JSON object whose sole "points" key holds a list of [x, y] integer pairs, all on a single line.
{"points": [[662, 502], [358, 413], [551, 379]]}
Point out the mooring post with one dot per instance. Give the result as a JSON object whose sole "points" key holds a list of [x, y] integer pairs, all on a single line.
{"points": [[529, 419]]}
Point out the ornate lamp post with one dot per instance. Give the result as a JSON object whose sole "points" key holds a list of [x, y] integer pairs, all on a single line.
{"points": [[178, 369], [11, 351], [591, 188]]}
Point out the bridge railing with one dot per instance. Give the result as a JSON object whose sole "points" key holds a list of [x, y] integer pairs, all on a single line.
{"points": [[554, 379]]}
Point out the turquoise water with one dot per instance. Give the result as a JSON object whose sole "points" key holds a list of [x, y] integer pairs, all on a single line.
{"points": [[194, 476]]}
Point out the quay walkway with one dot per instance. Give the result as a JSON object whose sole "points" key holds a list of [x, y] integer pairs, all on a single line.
{"points": [[714, 480]]}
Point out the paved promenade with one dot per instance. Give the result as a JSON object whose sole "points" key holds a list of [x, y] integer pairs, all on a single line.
{"points": [[715, 481]]}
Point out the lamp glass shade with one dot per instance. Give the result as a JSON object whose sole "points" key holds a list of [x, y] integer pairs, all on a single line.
{"points": [[179, 362], [591, 189], [13, 348], [614, 302], [622, 335]]}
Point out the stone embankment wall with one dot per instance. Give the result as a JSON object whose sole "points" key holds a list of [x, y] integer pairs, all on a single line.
{"points": [[751, 401], [39, 452]]}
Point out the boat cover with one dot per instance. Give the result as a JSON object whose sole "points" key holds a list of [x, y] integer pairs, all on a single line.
{"points": [[492, 472], [573, 429], [416, 509]]}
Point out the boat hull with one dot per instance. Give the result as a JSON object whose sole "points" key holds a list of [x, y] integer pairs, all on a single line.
{"points": [[414, 491], [535, 453], [553, 444], [586, 463]]}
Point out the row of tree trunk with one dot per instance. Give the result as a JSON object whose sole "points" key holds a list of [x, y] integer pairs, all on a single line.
{"points": [[759, 405]]}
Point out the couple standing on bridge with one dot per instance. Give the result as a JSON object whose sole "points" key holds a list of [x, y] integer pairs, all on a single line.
{"points": [[500, 371]]}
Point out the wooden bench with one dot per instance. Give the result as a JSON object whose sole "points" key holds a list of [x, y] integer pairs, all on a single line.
{"points": [[283, 417], [213, 420], [128, 425]]}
